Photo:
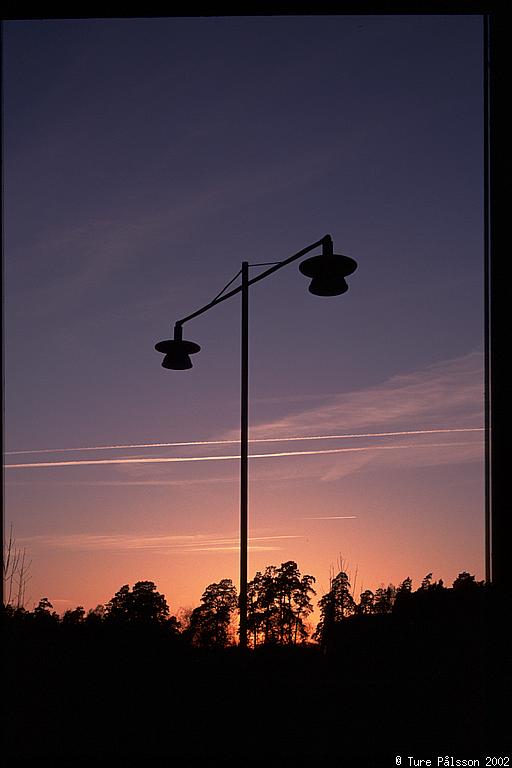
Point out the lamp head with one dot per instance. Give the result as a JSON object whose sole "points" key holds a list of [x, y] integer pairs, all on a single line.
{"points": [[328, 271], [177, 351]]}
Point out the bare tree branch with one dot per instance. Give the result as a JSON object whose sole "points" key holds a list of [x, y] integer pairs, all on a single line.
{"points": [[15, 572]]}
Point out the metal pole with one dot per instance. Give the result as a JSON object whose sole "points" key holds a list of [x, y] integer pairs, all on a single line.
{"points": [[244, 445]]}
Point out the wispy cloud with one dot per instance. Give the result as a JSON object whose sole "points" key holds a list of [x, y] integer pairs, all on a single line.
{"points": [[179, 543], [122, 483], [59, 600], [447, 392]]}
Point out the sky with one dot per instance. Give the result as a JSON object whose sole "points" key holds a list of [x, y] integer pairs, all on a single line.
{"points": [[143, 161]]}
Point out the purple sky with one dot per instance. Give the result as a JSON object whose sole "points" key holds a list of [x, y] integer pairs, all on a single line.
{"points": [[144, 160]]}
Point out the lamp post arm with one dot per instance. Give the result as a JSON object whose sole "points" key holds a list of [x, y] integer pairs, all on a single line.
{"points": [[326, 239]]}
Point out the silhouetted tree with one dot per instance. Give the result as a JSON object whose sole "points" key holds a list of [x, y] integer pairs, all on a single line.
{"points": [[118, 607], [303, 607], [210, 622], [43, 612], [173, 625], [95, 615], [74, 616], [405, 588], [261, 606], [465, 582], [293, 602], [18, 615], [427, 585], [183, 617], [143, 605], [384, 599], [148, 605], [366, 599], [279, 601], [337, 604], [403, 594]]}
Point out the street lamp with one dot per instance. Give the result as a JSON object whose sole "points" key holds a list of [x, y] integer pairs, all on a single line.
{"points": [[327, 272]]}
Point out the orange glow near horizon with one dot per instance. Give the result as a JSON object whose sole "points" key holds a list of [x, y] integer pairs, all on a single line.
{"points": [[293, 516]]}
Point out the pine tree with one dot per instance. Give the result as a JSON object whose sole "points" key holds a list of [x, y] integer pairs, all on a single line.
{"points": [[335, 606]]}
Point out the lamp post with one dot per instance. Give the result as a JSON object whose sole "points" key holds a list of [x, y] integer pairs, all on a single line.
{"points": [[327, 272]]}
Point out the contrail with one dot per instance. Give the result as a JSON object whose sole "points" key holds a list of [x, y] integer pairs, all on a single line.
{"points": [[332, 517], [176, 459], [252, 440]]}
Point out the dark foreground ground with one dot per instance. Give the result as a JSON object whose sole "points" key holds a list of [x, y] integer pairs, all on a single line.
{"points": [[411, 687]]}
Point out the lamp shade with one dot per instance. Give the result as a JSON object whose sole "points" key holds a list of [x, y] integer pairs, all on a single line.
{"points": [[177, 353], [327, 273]]}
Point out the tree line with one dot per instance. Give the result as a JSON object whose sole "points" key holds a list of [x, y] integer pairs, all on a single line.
{"points": [[279, 605], [380, 672]]}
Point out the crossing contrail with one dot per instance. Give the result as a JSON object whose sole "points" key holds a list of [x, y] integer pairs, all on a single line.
{"points": [[179, 459], [252, 440]]}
